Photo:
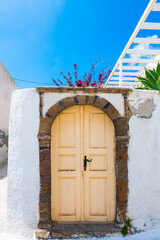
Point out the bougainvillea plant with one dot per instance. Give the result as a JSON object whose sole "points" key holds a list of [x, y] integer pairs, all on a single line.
{"points": [[88, 79]]}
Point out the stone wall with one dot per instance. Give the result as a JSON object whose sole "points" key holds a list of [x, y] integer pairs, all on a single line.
{"points": [[3, 147], [7, 87]]}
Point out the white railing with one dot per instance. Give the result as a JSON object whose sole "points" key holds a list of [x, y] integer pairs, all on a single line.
{"points": [[124, 75]]}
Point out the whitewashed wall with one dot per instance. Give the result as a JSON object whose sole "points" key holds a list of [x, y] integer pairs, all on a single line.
{"points": [[23, 158], [143, 164], [144, 159], [7, 86], [23, 163], [50, 99]]}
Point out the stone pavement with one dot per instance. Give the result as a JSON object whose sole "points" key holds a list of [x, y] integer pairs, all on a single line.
{"points": [[78, 230]]}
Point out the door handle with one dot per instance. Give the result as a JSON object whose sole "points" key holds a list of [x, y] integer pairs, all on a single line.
{"points": [[85, 162]]}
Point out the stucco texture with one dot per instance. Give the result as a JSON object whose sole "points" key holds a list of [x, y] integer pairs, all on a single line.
{"points": [[144, 160], [23, 163], [143, 163], [7, 87], [52, 98]]}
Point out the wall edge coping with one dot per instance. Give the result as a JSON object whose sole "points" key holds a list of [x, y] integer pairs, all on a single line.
{"points": [[87, 90]]}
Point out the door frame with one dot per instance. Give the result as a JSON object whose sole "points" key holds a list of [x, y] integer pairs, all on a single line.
{"points": [[121, 127]]}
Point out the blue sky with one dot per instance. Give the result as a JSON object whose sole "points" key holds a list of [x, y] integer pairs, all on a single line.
{"points": [[40, 38]]}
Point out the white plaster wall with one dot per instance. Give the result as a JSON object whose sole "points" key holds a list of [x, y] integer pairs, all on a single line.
{"points": [[144, 161], [23, 163], [49, 99], [7, 86], [143, 164]]}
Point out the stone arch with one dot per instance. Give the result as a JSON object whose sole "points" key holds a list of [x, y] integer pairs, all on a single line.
{"points": [[121, 152], [101, 103]]}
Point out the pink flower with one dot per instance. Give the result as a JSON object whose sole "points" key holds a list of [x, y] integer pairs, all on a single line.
{"points": [[79, 83], [100, 77], [89, 78], [93, 84]]}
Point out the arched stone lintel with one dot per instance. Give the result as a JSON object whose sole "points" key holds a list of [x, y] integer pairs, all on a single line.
{"points": [[101, 103]]}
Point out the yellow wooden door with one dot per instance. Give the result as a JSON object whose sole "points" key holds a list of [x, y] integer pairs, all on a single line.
{"points": [[79, 195], [99, 175], [66, 166]]}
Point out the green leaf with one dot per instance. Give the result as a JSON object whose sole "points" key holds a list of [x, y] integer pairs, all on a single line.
{"points": [[145, 80], [151, 75], [128, 222], [140, 88], [139, 77], [151, 81], [124, 230], [148, 85], [142, 78], [158, 81], [152, 78], [158, 68], [155, 74]]}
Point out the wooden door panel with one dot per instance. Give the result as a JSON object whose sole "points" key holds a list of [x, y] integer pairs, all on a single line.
{"points": [[79, 195], [67, 162], [97, 196], [65, 165], [98, 145], [97, 136], [99, 162], [67, 138], [67, 190]]}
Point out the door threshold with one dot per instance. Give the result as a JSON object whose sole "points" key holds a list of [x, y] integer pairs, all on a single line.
{"points": [[68, 230], [96, 222]]}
